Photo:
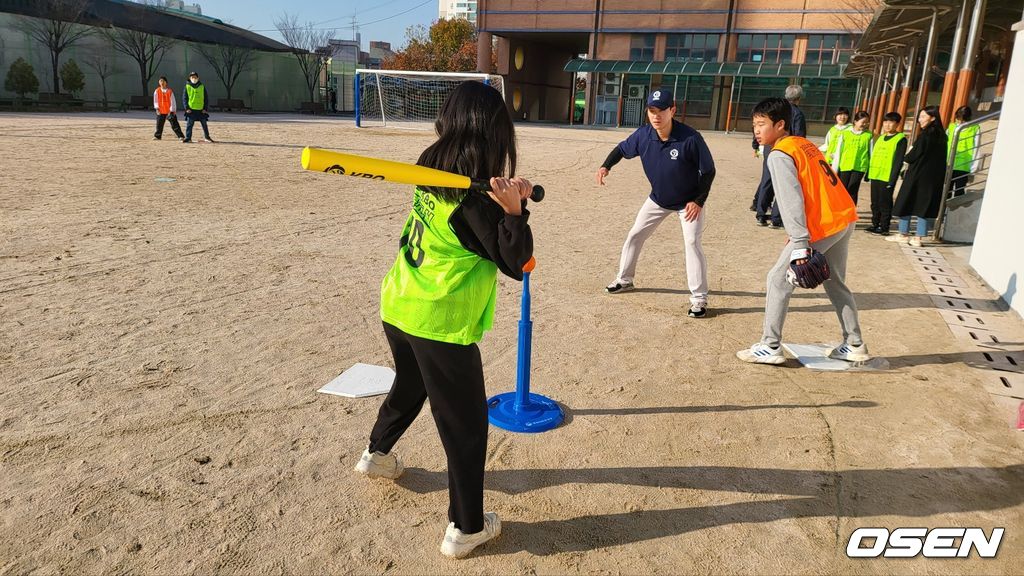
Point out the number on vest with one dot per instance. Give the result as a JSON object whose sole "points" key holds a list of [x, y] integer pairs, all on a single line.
{"points": [[828, 172], [414, 243]]}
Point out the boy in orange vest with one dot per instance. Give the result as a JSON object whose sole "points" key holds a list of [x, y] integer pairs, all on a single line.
{"points": [[163, 103], [820, 218]]}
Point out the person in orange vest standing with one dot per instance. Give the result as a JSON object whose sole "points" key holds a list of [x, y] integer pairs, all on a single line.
{"points": [[819, 216], [163, 103]]}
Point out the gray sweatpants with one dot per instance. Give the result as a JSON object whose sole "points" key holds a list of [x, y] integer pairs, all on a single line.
{"points": [[836, 249]]}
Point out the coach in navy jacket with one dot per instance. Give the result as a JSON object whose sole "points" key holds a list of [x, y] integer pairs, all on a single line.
{"points": [[680, 169]]}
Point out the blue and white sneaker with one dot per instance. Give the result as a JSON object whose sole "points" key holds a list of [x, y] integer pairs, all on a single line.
{"points": [[762, 354], [850, 353]]}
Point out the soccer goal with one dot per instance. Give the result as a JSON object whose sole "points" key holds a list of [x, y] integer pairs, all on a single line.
{"points": [[407, 99]]}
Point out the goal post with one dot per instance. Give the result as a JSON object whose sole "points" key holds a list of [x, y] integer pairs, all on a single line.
{"points": [[408, 99]]}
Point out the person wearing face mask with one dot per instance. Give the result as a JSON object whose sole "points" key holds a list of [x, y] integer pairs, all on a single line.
{"points": [[921, 191], [852, 154], [194, 100]]}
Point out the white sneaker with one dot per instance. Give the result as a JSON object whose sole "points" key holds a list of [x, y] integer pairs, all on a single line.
{"points": [[377, 465], [457, 544], [850, 353], [762, 354], [898, 238], [619, 286], [915, 241]]}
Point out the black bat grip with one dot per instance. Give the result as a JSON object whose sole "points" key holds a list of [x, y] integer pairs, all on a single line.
{"points": [[484, 186]]}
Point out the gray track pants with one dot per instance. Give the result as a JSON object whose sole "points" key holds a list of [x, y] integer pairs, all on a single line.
{"points": [[836, 249]]}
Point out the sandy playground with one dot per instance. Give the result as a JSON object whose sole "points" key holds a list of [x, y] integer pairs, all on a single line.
{"points": [[161, 344]]}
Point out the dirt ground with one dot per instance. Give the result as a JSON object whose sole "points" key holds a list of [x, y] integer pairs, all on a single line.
{"points": [[162, 344]]}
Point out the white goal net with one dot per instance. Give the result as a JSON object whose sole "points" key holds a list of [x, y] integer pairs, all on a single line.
{"points": [[406, 99]]}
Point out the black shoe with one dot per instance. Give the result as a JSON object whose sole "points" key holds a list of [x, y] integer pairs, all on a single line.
{"points": [[762, 222], [775, 225], [871, 229], [880, 232], [186, 141], [697, 311], [156, 137], [753, 206]]}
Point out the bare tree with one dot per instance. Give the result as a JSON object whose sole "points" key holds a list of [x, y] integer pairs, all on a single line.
{"points": [[309, 46], [855, 15], [104, 68], [148, 50], [228, 62], [57, 31]]}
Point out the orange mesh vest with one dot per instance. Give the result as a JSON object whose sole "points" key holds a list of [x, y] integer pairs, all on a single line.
{"points": [[827, 204], [164, 100]]}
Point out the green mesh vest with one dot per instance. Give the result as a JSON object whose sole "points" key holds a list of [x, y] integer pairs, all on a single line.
{"points": [[854, 152], [834, 134], [437, 289], [882, 157], [964, 147], [196, 96]]}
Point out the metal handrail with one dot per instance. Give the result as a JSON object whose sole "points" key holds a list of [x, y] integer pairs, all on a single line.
{"points": [[950, 162]]}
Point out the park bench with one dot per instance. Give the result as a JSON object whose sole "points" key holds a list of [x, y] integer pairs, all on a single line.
{"points": [[140, 102], [230, 105], [311, 108]]}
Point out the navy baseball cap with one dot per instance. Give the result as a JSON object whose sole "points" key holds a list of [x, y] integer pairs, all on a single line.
{"points": [[661, 99]]}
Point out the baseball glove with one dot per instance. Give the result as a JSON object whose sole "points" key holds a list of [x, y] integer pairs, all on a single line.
{"points": [[808, 268]]}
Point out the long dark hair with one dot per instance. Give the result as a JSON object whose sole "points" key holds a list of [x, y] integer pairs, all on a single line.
{"points": [[475, 137], [933, 111]]}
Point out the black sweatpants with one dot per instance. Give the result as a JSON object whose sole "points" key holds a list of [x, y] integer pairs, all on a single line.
{"points": [[881, 205], [959, 182], [161, 118], [764, 198], [851, 179], [452, 376]]}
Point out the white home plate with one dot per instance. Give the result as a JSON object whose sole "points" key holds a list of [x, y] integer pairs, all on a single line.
{"points": [[815, 357], [360, 381]]}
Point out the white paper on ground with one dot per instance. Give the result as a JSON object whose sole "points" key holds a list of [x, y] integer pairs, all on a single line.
{"points": [[815, 357], [360, 381]]}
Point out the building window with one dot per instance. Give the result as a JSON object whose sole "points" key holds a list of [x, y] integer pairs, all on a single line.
{"points": [[694, 96], [821, 96], [817, 94], [692, 47], [641, 47], [841, 92], [753, 90], [768, 48], [829, 48]]}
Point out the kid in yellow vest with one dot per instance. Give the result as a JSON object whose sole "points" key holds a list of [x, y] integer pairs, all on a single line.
{"points": [[886, 163], [853, 154]]}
